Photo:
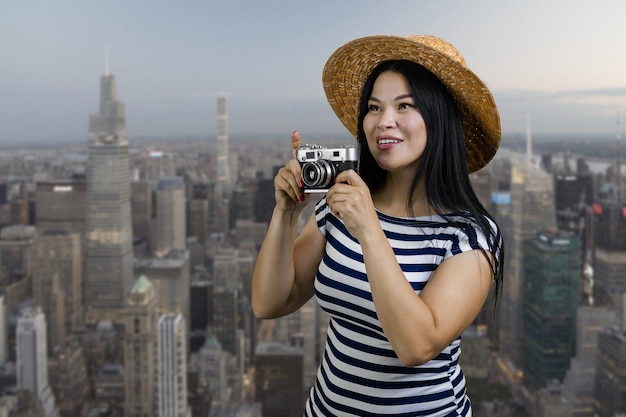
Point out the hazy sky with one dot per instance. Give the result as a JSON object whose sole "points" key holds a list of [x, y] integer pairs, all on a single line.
{"points": [[561, 61]]}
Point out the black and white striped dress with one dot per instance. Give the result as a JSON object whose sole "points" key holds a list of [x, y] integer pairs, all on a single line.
{"points": [[360, 374]]}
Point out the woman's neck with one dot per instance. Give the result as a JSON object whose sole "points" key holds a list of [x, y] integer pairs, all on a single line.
{"points": [[391, 198]]}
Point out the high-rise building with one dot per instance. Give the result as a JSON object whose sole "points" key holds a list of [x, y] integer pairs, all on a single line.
{"points": [[32, 362], [578, 384], [16, 250], [532, 210], [609, 258], [109, 240], [610, 381], [171, 367], [143, 209], [170, 197], [139, 349], [3, 331], [57, 276], [171, 278], [224, 180], [225, 318], [68, 379], [61, 205], [200, 205], [278, 380], [551, 277]]}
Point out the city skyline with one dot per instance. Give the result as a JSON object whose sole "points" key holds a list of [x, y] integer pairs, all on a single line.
{"points": [[555, 62]]}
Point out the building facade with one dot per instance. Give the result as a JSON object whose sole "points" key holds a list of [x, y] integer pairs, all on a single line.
{"points": [[108, 240], [552, 270]]}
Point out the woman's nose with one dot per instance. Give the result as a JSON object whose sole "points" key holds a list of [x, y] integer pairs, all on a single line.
{"points": [[387, 119]]}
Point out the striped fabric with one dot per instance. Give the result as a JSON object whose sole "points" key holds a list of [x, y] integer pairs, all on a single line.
{"points": [[360, 374]]}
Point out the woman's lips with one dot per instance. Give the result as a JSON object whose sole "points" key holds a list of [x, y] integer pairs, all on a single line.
{"points": [[386, 142]]}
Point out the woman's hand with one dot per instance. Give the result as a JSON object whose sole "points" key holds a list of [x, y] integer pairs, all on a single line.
{"points": [[351, 201], [288, 186]]}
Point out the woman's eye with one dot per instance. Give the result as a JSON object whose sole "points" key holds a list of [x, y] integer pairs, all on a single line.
{"points": [[405, 106], [373, 107]]}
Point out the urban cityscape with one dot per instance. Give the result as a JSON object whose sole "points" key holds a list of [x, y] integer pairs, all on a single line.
{"points": [[126, 266]]}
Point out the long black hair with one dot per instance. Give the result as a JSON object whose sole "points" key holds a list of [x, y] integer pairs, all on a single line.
{"points": [[443, 165]]}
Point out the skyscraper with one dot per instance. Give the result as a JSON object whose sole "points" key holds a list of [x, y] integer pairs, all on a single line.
{"points": [[139, 347], [109, 246], [171, 367], [609, 260], [551, 274], [57, 269], [278, 380], [170, 215], [3, 331], [32, 362], [223, 170], [532, 210]]}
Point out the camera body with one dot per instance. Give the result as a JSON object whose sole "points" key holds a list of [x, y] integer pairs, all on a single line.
{"points": [[320, 165]]}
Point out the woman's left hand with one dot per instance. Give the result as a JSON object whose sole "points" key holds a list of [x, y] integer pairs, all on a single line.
{"points": [[351, 201]]}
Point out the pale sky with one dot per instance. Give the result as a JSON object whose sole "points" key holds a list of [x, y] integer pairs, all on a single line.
{"points": [[562, 62]]}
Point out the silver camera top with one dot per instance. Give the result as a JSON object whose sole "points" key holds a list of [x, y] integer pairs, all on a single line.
{"points": [[310, 153]]}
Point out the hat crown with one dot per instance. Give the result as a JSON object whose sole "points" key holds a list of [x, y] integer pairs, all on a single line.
{"points": [[439, 45]]}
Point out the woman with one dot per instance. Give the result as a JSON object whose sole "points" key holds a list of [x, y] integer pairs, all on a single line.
{"points": [[401, 254]]}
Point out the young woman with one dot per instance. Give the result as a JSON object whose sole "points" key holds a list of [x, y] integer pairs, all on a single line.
{"points": [[401, 254]]}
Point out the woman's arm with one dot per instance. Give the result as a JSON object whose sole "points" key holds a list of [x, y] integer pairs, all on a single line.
{"points": [[285, 268]]}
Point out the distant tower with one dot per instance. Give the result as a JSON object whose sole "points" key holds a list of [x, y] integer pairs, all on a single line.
{"points": [[529, 142], [171, 219], [223, 170], [618, 162], [139, 349], [32, 362], [3, 332], [171, 367], [109, 246]]}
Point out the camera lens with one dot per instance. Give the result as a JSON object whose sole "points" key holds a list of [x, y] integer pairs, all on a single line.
{"points": [[317, 174]]}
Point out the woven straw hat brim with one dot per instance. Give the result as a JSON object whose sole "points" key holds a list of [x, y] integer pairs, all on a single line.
{"points": [[349, 66]]}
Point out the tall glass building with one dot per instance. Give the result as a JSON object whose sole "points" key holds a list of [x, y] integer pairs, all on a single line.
{"points": [[108, 240], [552, 270]]}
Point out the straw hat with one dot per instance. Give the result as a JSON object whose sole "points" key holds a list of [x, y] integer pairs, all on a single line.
{"points": [[348, 67]]}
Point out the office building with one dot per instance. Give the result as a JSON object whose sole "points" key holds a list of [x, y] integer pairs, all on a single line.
{"points": [[532, 210], [551, 277], [225, 318], [61, 205], [171, 278], [58, 270], [170, 198], [143, 208], [109, 240], [610, 381], [609, 257], [140, 342], [278, 380], [68, 379], [3, 331], [171, 367], [16, 244], [579, 381], [32, 362]]}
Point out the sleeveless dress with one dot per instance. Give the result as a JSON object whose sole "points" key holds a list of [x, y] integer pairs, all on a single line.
{"points": [[360, 374]]}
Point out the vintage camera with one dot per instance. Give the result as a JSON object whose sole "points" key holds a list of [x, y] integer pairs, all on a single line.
{"points": [[320, 165]]}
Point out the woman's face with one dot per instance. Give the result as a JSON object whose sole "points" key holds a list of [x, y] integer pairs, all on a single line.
{"points": [[395, 131]]}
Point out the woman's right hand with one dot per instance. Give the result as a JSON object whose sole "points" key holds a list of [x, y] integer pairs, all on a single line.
{"points": [[288, 186]]}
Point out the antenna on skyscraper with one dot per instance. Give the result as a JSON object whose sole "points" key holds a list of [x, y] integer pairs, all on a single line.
{"points": [[106, 61], [529, 142], [618, 162]]}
